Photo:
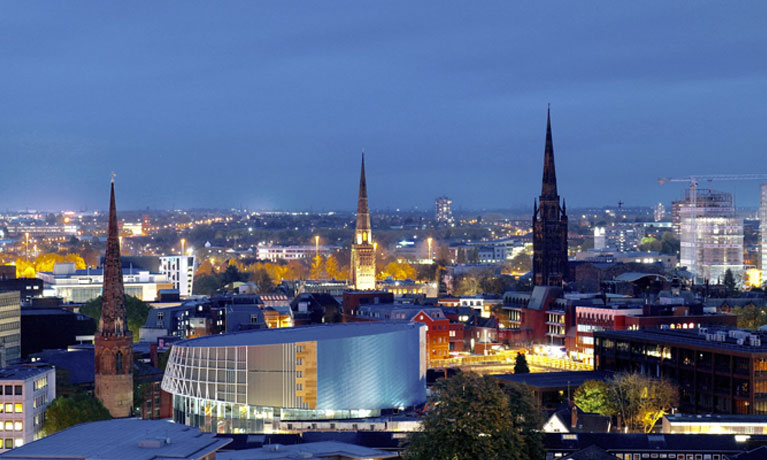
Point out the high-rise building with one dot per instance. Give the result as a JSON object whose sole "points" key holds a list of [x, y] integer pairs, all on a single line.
{"points": [[443, 211], [10, 327], [180, 271], [27, 391], [659, 212], [711, 236], [763, 231], [113, 354], [363, 260], [549, 224]]}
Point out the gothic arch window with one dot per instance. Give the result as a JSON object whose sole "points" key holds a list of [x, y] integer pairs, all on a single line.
{"points": [[119, 367]]}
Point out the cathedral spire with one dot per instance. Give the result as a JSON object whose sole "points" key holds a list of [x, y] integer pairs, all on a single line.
{"points": [[549, 189], [113, 319], [363, 213]]}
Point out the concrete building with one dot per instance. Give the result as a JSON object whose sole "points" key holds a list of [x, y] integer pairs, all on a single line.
{"points": [[10, 328], [711, 235], [26, 391], [659, 212], [714, 424], [718, 370], [80, 286], [763, 231], [277, 253], [179, 270], [363, 258], [443, 211], [123, 439], [250, 381]]}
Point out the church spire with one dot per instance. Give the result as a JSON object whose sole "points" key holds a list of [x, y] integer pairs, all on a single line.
{"points": [[113, 319], [549, 189], [363, 213]]}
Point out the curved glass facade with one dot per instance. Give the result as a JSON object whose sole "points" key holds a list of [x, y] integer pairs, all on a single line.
{"points": [[247, 382]]}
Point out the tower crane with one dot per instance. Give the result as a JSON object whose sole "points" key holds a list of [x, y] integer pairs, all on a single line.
{"points": [[694, 182]]}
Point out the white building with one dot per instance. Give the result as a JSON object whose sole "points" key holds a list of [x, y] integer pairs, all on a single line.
{"points": [[179, 270], [80, 286], [276, 253], [763, 231], [26, 391]]}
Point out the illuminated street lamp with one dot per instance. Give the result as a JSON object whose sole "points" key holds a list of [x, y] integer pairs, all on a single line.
{"points": [[26, 246], [183, 242], [428, 241], [316, 245]]}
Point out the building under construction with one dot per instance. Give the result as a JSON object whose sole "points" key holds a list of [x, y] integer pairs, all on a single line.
{"points": [[711, 235], [763, 232]]}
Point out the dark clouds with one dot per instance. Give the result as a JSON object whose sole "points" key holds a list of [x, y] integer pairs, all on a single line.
{"points": [[269, 103]]}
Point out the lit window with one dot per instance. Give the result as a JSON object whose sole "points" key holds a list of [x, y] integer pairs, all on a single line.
{"points": [[19, 408], [8, 425], [18, 442], [9, 408]]}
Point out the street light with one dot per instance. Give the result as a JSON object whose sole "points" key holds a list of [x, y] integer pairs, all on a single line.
{"points": [[428, 240], [183, 242], [316, 245]]}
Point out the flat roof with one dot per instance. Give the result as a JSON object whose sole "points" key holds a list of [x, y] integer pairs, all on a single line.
{"points": [[685, 337], [544, 380], [716, 418], [22, 371], [299, 334], [118, 439], [321, 449]]}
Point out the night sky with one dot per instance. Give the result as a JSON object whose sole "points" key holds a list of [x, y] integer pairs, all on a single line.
{"points": [[268, 104]]}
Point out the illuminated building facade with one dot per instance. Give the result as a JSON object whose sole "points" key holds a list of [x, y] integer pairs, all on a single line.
{"points": [[180, 271], [26, 391], [249, 382], [763, 232], [363, 259], [549, 225], [10, 327], [711, 236], [443, 211]]}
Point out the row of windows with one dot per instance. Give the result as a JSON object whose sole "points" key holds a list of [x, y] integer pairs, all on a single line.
{"points": [[10, 425], [10, 443], [10, 408], [11, 390], [10, 326], [40, 383]]}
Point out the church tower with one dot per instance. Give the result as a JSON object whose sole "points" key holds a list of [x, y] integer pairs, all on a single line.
{"points": [[549, 225], [363, 263], [113, 356]]}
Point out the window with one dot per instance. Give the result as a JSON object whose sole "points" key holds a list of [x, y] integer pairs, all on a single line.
{"points": [[8, 408], [17, 390], [18, 426], [9, 390], [8, 425], [19, 408], [119, 368], [9, 443]]}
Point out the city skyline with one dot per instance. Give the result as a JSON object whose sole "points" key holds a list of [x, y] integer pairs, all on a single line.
{"points": [[267, 103]]}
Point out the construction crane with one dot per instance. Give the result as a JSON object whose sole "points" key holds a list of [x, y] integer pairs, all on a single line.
{"points": [[694, 182]]}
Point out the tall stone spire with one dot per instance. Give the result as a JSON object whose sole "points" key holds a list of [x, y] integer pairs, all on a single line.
{"points": [[113, 343], [550, 265], [363, 260], [363, 213], [113, 319], [549, 188]]}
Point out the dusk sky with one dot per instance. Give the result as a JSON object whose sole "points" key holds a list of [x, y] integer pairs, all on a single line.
{"points": [[268, 104]]}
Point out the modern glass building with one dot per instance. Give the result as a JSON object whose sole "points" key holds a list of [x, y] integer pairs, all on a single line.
{"points": [[247, 382]]}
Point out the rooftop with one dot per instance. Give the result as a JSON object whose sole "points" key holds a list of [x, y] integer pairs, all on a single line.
{"points": [[544, 380], [694, 337], [299, 334], [322, 449], [716, 418], [22, 371], [117, 439]]}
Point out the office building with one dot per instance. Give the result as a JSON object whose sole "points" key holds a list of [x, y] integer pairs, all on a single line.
{"points": [[711, 235], [179, 270], [26, 391], [80, 286], [10, 328], [250, 381], [718, 370], [549, 225], [659, 212], [363, 259], [123, 439], [113, 351], [443, 211]]}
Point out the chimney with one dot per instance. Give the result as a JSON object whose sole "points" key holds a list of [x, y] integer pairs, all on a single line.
{"points": [[153, 354], [573, 417]]}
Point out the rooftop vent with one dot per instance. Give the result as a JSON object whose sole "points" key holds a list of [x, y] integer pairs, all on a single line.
{"points": [[153, 443]]}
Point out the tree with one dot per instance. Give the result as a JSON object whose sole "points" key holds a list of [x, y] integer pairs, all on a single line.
{"points": [[592, 397], [472, 417], [526, 419], [262, 279], [66, 411], [750, 316], [317, 271], [729, 283], [136, 310], [332, 269], [520, 364], [640, 400]]}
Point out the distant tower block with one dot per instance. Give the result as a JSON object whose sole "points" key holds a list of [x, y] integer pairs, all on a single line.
{"points": [[113, 352], [363, 260], [659, 212], [443, 211], [549, 225], [763, 231]]}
